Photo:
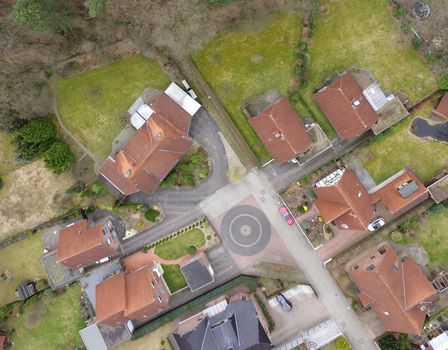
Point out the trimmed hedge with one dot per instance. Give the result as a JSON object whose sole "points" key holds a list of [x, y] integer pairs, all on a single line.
{"points": [[248, 281], [152, 215]]}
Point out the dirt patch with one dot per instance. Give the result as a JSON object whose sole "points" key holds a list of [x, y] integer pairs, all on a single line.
{"points": [[32, 195]]}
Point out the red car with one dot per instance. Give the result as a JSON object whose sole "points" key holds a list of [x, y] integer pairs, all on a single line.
{"points": [[284, 212]]}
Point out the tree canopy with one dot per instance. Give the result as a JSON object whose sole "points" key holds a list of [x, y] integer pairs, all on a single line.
{"points": [[58, 157]]}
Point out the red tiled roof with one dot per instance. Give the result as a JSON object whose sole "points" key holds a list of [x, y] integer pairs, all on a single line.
{"points": [[336, 101], [397, 290], [282, 131], [133, 294], [81, 244], [392, 198], [2, 341], [152, 152], [442, 107], [347, 202]]}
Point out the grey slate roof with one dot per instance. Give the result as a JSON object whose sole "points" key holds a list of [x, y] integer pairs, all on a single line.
{"points": [[237, 328], [197, 274]]}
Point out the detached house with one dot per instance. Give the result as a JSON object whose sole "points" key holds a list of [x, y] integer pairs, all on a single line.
{"points": [[342, 199], [395, 288], [282, 131], [160, 141], [84, 242], [131, 295]]}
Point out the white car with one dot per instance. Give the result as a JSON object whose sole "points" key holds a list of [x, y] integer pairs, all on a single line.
{"points": [[376, 224]]}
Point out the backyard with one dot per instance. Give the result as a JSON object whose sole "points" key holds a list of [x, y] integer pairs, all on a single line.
{"points": [[387, 154], [91, 103], [249, 60], [19, 262], [174, 278], [339, 44], [48, 322], [35, 194]]}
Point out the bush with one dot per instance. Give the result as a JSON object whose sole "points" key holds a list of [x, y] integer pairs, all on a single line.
{"points": [[219, 2], [342, 344], [1, 183], [396, 236], [94, 6], [267, 315], [444, 82], [301, 209], [99, 189], [58, 157], [406, 225], [41, 284], [417, 43], [437, 209], [294, 96], [400, 12], [152, 215], [33, 138], [406, 28], [389, 342], [191, 250]]}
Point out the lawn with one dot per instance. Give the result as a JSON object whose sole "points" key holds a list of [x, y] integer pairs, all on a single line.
{"points": [[156, 340], [247, 61], [176, 248], [431, 233], [90, 104], [7, 155], [49, 322], [371, 39], [32, 195], [173, 277], [385, 156], [20, 261]]}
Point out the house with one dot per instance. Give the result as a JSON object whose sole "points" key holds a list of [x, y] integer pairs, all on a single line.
{"points": [[3, 338], [438, 342], [400, 193], [394, 288], [343, 199], [156, 147], [131, 295], [442, 108], [26, 290], [350, 108], [226, 324], [282, 131], [84, 242]]}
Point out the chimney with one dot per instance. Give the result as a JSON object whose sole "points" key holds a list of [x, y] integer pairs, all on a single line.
{"points": [[83, 213]]}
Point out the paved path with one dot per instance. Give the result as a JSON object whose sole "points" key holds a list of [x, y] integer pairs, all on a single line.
{"points": [[329, 294]]}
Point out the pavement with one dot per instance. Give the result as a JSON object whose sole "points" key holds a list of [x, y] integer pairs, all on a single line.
{"points": [[256, 185]]}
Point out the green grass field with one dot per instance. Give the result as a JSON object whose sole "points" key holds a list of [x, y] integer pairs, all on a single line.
{"points": [[247, 61], [7, 154], [176, 248], [370, 39], [431, 233], [49, 322], [90, 103], [20, 261], [173, 277], [399, 149]]}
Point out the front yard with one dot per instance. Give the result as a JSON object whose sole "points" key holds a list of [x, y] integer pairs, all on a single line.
{"points": [[91, 103], [48, 322], [32, 195], [177, 247], [387, 154], [247, 61], [19, 262], [370, 39]]}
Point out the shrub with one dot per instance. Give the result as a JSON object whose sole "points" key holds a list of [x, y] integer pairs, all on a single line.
{"points": [[417, 43], [406, 225], [209, 237], [294, 96], [94, 6], [41, 284], [5, 311], [396, 236], [99, 189], [191, 250], [400, 12], [219, 2], [58, 157], [444, 82], [437, 209], [267, 315], [33, 138], [1, 183], [406, 28], [389, 342]]}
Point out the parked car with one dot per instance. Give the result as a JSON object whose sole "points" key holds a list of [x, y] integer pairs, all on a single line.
{"points": [[284, 212], [285, 303], [376, 224]]}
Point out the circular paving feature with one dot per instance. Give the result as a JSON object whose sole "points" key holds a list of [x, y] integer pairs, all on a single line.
{"points": [[245, 230]]}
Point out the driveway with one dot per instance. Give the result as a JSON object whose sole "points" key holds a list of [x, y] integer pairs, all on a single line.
{"points": [[307, 311]]}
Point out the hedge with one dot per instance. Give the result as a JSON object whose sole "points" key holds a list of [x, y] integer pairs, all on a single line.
{"points": [[248, 281]]}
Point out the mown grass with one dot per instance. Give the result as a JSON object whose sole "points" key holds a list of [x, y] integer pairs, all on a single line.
{"points": [[48, 322], [173, 278], [246, 61], [176, 248], [7, 154], [90, 103], [399, 148], [20, 261], [364, 34], [431, 232]]}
